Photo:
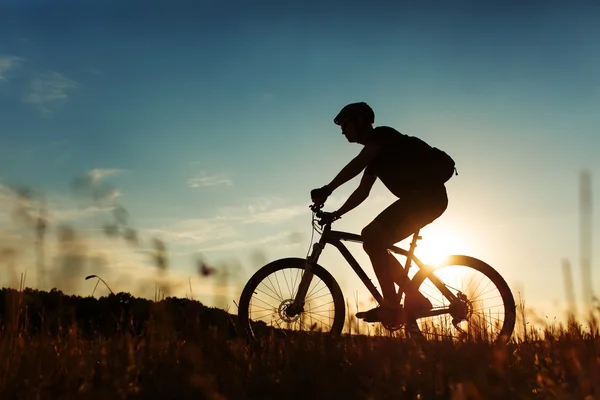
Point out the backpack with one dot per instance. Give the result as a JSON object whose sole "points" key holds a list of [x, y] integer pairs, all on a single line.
{"points": [[442, 166]]}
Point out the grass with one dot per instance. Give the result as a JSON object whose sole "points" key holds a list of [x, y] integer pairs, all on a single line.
{"points": [[558, 362], [179, 355]]}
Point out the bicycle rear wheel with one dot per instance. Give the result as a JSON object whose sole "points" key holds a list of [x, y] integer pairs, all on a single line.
{"points": [[485, 309], [272, 289]]}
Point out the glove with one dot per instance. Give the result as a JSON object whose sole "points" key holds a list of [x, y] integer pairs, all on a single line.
{"points": [[320, 195], [328, 217]]}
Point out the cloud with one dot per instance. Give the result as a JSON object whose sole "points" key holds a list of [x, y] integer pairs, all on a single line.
{"points": [[48, 89], [262, 204], [89, 250], [98, 174], [16, 207], [238, 244], [196, 230], [275, 215], [8, 63], [90, 184], [263, 210], [203, 179], [16, 204], [73, 214], [225, 230]]}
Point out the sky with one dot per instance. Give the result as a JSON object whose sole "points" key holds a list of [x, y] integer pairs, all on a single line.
{"points": [[207, 123]]}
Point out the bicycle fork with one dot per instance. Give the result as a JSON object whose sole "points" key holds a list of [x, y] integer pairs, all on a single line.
{"points": [[298, 305]]}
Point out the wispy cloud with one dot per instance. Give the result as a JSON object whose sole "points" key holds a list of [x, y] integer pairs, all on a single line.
{"points": [[98, 174], [73, 213], [59, 209], [275, 215], [91, 184], [16, 204], [204, 179], [196, 230], [243, 243], [263, 210], [225, 230], [48, 89], [7, 63]]}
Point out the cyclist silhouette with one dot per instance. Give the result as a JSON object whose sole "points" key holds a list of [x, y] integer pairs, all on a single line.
{"points": [[404, 165]]}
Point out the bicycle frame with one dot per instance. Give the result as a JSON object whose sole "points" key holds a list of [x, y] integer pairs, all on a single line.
{"points": [[336, 238]]}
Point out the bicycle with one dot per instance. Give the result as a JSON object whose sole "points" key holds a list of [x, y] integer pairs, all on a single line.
{"points": [[454, 313]]}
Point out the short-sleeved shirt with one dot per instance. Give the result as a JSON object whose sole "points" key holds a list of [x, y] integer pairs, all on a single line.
{"points": [[402, 163]]}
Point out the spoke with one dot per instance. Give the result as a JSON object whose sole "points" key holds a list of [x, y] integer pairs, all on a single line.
{"points": [[262, 308], [313, 289], [322, 305], [481, 308], [265, 303], [470, 281], [274, 289], [279, 287], [268, 295], [319, 323], [479, 284], [323, 295], [490, 298], [265, 315], [485, 287], [312, 310], [306, 327], [318, 297], [486, 317], [490, 307], [262, 301], [270, 288], [320, 313], [286, 281], [295, 280], [489, 291], [278, 324], [447, 286]]}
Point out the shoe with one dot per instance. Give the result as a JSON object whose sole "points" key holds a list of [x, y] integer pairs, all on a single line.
{"points": [[382, 314], [416, 305]]}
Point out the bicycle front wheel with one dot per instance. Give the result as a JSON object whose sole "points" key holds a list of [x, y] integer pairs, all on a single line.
{"points": [[271, 291], [484, 309]]}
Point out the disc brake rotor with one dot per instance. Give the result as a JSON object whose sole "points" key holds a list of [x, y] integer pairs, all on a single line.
{"points": [[284, 314]]}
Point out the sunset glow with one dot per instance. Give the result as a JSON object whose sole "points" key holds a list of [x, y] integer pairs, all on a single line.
{"points": [[438, 243]]}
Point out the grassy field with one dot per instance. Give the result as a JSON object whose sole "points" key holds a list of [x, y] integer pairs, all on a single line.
{"points": [[214, 363]]}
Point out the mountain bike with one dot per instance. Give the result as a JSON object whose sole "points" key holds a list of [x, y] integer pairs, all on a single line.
{"points": [[470, 299]]}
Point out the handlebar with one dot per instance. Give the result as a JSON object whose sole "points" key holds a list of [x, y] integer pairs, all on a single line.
{"points": [[323, 217]]}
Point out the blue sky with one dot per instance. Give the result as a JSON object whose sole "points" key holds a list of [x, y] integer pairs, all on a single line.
{"points": [[211, 121]]}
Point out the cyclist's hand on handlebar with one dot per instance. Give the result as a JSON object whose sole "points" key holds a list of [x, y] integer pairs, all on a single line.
{"points": [[328, 217], [320, 195]]}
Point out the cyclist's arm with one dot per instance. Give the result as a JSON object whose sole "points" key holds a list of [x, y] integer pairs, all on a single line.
{"points": [[359, 195], [355, 166]]}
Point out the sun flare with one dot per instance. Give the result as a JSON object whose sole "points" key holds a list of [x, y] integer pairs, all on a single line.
{"points": [[438, 243]]}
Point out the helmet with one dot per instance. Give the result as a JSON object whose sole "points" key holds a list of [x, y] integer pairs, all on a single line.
{"points": [[354, 111]]}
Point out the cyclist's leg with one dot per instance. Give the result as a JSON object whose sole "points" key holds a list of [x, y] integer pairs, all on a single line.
{"points": [[394, 224], [375, 238]]}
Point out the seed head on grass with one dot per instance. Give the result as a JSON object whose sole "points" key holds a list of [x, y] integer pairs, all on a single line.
{"points": [[111, 230], [130, 235], [160, 254], [204, 270]]}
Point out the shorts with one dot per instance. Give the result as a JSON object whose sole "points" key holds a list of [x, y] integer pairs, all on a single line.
{"points": [[412, 212]]}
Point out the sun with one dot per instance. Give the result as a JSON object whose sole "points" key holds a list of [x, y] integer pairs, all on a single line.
{"points": [[438, 243]]}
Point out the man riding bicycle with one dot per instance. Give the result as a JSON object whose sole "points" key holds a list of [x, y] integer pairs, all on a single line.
{"points": [[409, 168]]}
